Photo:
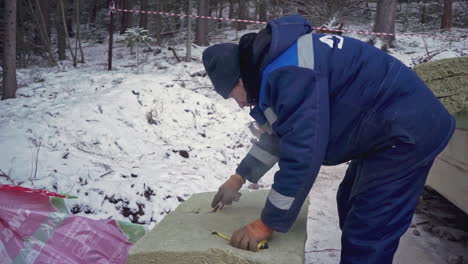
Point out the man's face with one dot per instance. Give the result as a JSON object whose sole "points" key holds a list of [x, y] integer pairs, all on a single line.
{"points": [[240, 94]]}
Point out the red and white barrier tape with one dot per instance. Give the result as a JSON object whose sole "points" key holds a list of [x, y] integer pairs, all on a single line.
{"points": [[113, 9], [390, 34], [183, 15]]}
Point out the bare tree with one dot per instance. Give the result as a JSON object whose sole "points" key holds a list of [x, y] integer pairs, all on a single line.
{"points": [[257, 9], [276, 7], [289, 9], [220, 13], [126, 19], [78, 35], [201, 36], [262, 10], [20, 34], [61, 41], [144, 17], [9, 51], [231, 8], [8, 178], [93, 7], [446, 22], [44, 8], [242, 14], [40, 21], [156, 25], [385, 20], [40, 11], [65, 27], [320, 12], [188, 55]]}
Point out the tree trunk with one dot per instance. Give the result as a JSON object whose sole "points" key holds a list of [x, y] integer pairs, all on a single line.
{"points": [[75, 58], [385, 20], [137, 53], [423, 11], [276, 9], [158, 22], [144, 17], [257, 9], [446, 22], [302, 9], [78, 35], [231, 8], [44, 4], [43, 17], [20, 33], [366, 10], [40, 22], [35, 31], [179, 10], [9, 51], [111, 39], [68, 7], [242, 14], [201, 36], [262, 6], [220, 14], [333, 8], [126, 16], [188, 55], [92, 18], [65, 27], [61, 42]]}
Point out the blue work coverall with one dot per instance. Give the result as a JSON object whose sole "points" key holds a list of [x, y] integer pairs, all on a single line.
{"points": [[326, 100]]}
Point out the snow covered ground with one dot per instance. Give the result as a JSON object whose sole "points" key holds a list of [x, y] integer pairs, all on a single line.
{"points": [[133, 146]]}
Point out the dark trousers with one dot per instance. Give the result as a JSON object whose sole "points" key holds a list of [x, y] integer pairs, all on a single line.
{"points": [[373, 219]]}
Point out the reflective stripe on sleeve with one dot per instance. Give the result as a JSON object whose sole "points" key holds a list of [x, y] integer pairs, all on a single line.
{"points": [[280, 201], [262, 155]]}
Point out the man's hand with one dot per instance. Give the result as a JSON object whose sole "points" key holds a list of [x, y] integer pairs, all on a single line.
{"points": [[250, 235], [229, 191]]}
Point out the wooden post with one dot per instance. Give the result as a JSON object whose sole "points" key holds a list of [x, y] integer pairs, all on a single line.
{"points": [[188, 56], [111, 35]]}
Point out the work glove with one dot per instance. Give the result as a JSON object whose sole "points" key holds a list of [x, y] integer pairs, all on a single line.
{"points": [[250, 235], [228, 192]]}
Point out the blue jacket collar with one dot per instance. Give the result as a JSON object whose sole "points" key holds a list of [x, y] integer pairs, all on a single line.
{"points": [[284, 32]]}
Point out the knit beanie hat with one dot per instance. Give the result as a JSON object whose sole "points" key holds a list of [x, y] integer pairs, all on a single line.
{"points": [[221, 63]]}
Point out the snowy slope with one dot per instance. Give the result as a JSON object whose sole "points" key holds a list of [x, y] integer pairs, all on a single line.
{"points": [[98, 143], [133, 146]]}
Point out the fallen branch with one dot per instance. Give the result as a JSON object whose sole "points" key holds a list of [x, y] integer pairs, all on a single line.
{"points": [[445, 96], [201, 73], [425, 46], [427, 57], [3, 174], [148, 45], [106, 173], [422, 223], [175, 53], [323, 250], [201, 87]]}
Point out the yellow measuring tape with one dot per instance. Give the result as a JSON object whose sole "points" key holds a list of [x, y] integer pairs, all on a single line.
{"points": [[261, 245]]}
